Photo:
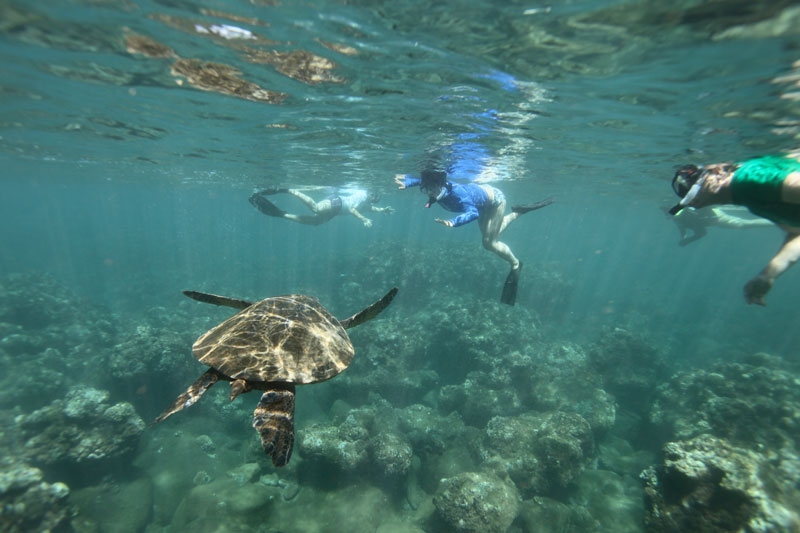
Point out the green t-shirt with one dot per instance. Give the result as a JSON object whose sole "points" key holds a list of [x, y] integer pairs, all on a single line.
{"points": [[757, 183]]}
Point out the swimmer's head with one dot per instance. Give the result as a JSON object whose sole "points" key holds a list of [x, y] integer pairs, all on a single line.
{"points": [[686, 183], [374, 198], [434, 184]]}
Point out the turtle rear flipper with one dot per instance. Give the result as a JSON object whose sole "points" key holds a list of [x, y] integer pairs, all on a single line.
{"points": [[192, 394], [216, 299], [370, 312], [274, 421]]}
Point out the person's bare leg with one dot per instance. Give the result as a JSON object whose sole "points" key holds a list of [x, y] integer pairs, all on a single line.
{"points": [[310, 202], [491, 226], [309, 220], [508, 219]]}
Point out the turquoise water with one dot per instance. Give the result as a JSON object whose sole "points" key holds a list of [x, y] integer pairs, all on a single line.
{"points": [[126, 178]]}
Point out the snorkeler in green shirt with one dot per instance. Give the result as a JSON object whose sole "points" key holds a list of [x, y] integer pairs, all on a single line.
{"points": [[768, 186]]}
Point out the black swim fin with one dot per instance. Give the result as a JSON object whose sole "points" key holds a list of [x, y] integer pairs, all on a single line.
{"points": [[522, 209], [509, 295], [265, 206]]}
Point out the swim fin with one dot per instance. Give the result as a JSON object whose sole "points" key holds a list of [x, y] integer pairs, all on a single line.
{"points": [[522, 209], [509, 295], [265, 206]]}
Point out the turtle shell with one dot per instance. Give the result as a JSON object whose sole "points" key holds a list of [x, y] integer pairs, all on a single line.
{"points": [[289, 339]]}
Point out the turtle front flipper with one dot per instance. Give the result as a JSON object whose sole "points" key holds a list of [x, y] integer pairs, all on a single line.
{"points": [[192, 394], [216, 299], [274, 421], [370, 312]]}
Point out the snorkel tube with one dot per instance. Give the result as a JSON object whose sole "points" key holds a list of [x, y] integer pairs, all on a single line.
{"points": [[687, 183]]}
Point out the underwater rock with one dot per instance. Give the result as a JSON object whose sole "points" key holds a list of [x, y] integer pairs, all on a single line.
{"points": [[201, 478], [46, 334], [37, 301], [560, 377], [81, 430], [752, 404], [148, 351], [540, 452], [477, 502], [428, 431], [206, 444], [480, 398], [391, 454], [380, 439], [27, 502], [630, 366], [706, 484], [557, 377], [333, 445]]}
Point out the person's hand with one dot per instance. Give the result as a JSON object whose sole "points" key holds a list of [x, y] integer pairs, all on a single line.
{"points": [[367, 223], [756, 289], [400, 180], [444, 222], [388, 209]]}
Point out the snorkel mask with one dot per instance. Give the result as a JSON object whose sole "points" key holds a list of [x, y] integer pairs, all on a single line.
{"points": [[687, 183], [434, 184]]}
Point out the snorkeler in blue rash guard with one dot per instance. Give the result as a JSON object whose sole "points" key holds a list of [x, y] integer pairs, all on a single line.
{"points": [[472, 201]]}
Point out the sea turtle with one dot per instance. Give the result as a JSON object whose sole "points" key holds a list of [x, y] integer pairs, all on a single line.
{"points": [[271, 345]]}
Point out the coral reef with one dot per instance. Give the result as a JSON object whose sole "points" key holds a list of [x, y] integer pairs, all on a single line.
{"points": [[752, 404], [80, 431], [631, 367], [152, 358], [541, 453], [707, 484], [46, 333], [27, 502], [379, 439], [543, 378], [477, 502]]}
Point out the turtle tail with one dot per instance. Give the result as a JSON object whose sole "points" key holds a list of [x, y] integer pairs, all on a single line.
{"points": [[192, 394], [274, 421]]}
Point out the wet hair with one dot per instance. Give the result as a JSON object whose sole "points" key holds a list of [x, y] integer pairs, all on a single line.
{"points": [[684, 178], [374, 197], [433, 178]]}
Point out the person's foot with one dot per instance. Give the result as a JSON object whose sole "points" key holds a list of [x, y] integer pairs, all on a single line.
{"points": [[522, 209]]}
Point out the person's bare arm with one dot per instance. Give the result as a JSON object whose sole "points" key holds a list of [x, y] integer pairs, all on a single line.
{"points": [[757, 288], [726, 219], [367, 222]]}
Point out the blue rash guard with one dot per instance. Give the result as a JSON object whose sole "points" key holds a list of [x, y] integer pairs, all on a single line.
{"points": [[468, 200]]}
